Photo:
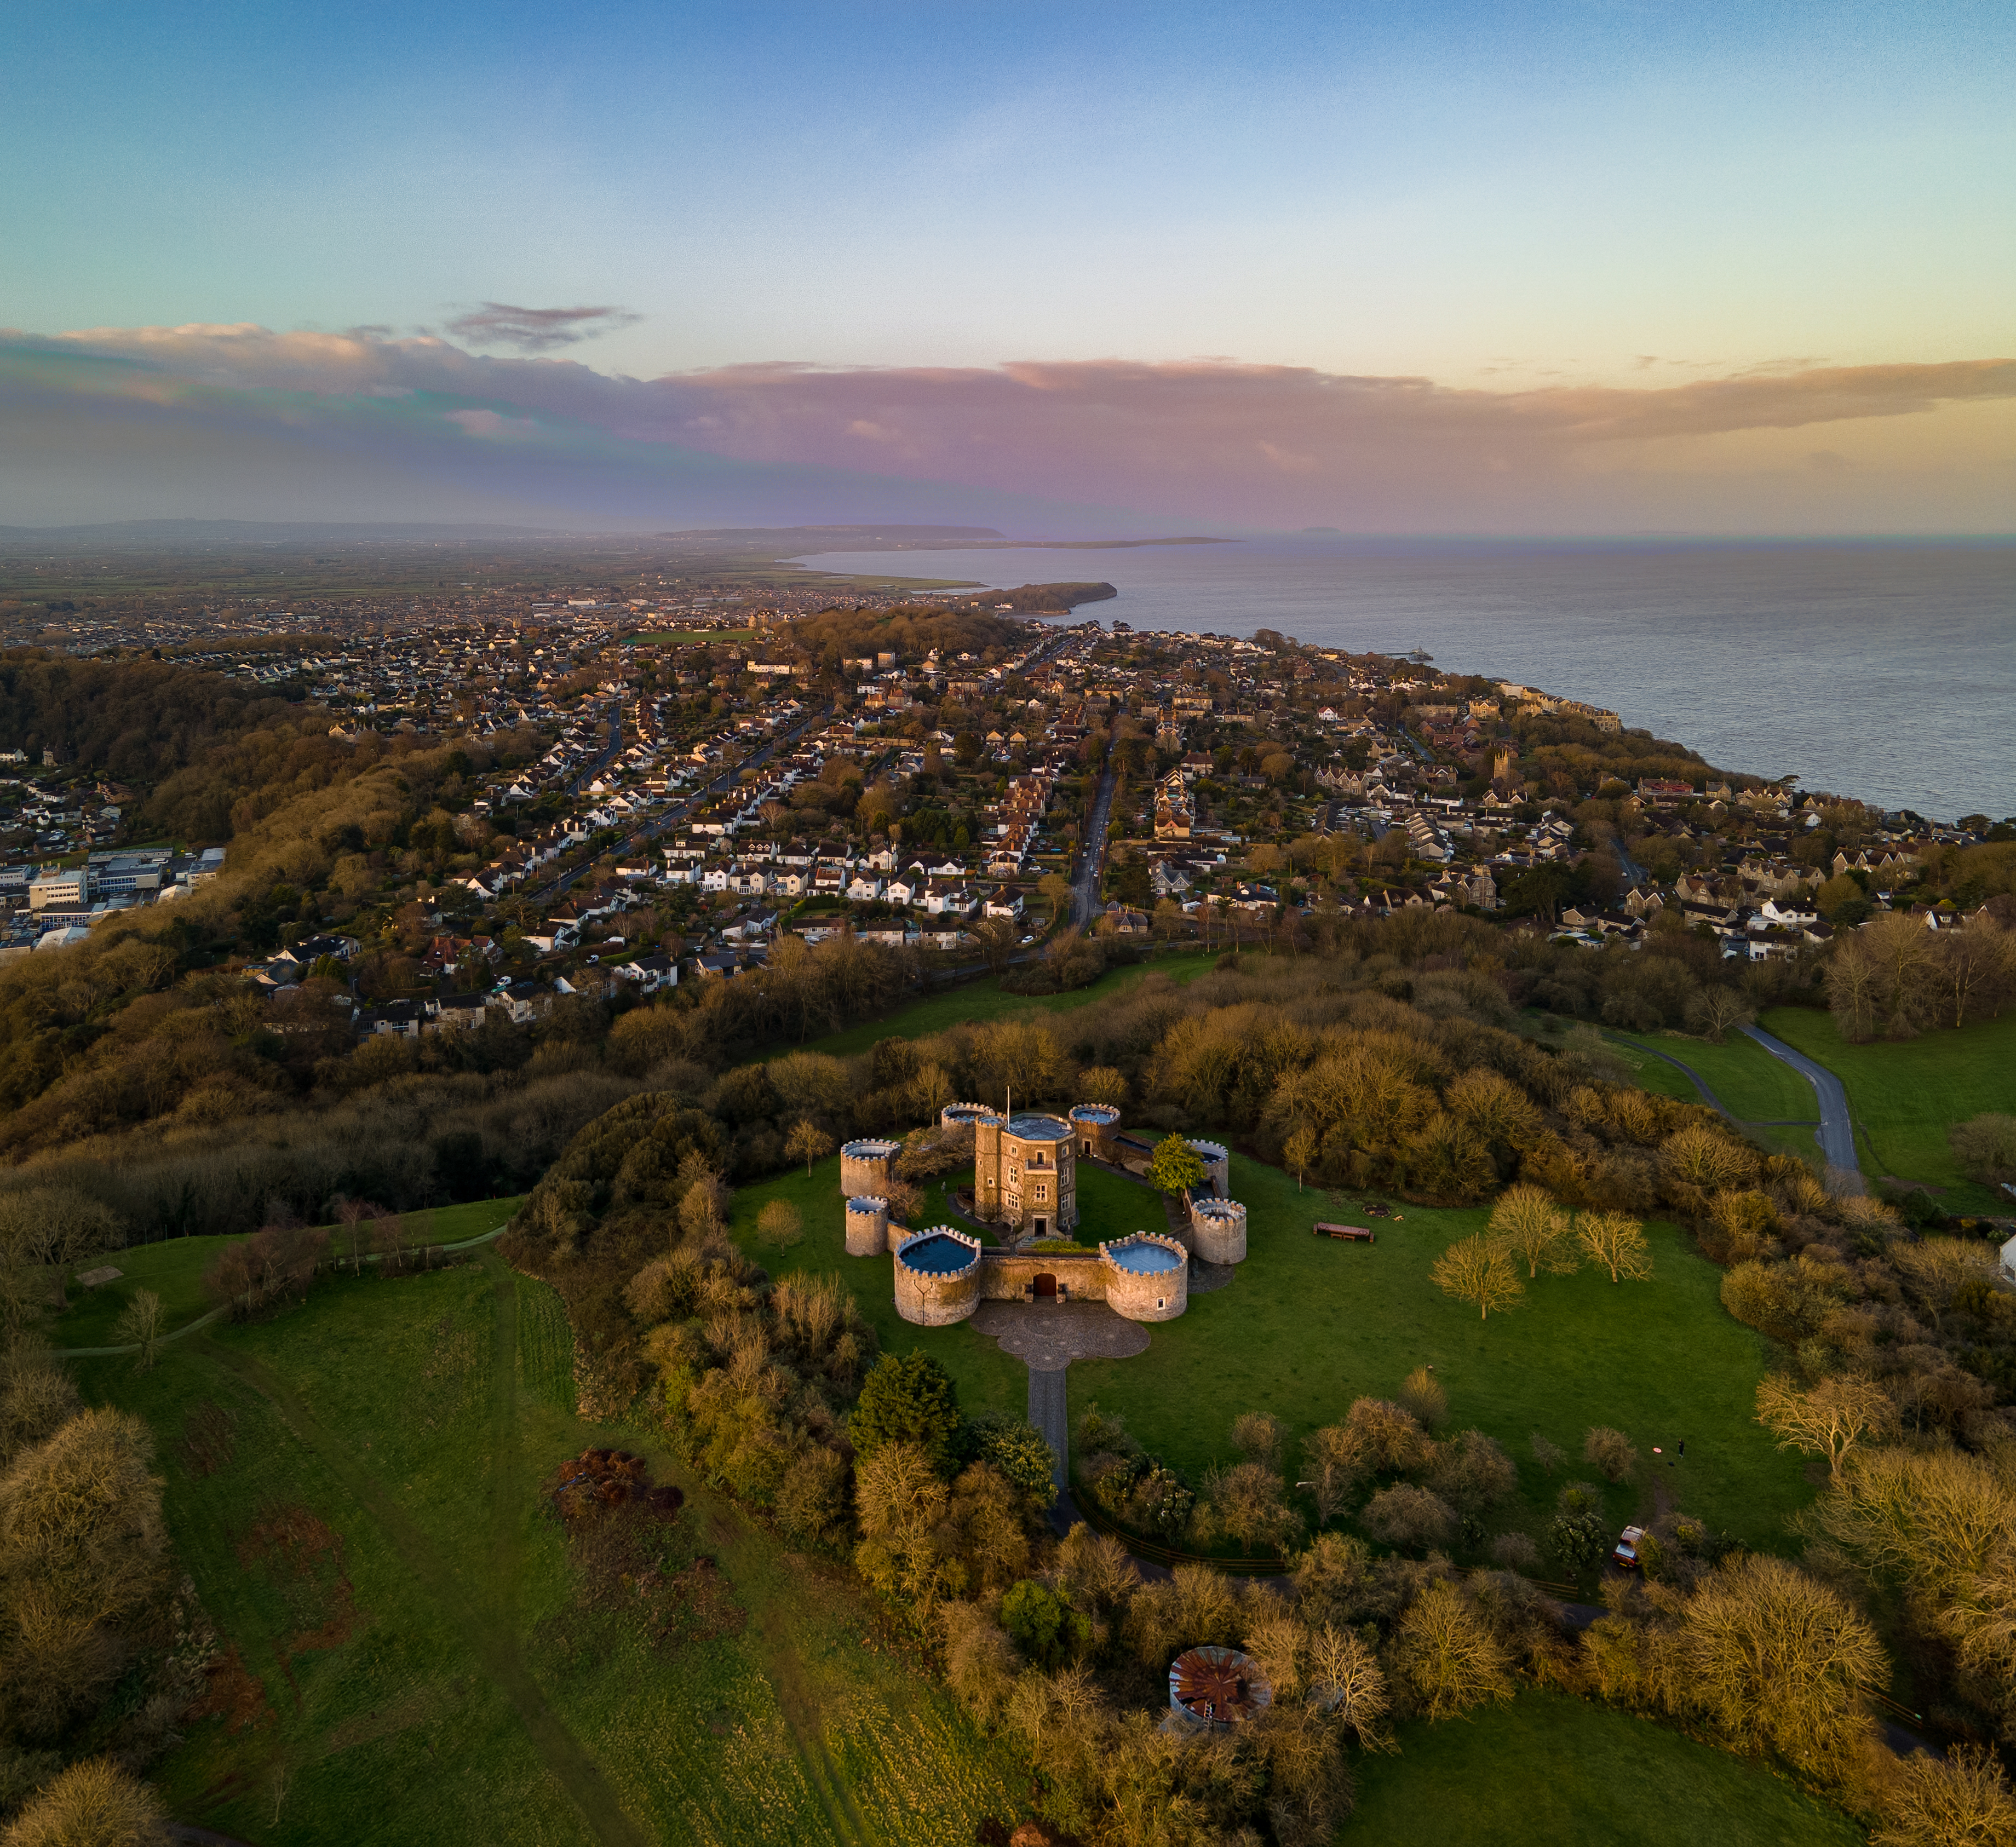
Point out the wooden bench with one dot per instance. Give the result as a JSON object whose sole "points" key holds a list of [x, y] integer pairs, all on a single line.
{"points": [[1356, 1234]]}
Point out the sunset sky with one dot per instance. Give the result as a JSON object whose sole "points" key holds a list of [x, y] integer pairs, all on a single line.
{"points": [[1602, 268]]}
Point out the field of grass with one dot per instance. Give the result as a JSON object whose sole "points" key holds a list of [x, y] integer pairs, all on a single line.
{"points": [[174, 1268], [1754, 1086], [1905, 1097], [1307, 1325], [1565, 1773], [985, 1000], [410, 1653]]}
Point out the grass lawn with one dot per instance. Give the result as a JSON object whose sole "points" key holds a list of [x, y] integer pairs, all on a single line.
{"points": [[986, 1000], [1754, 1086], [173, 1269], [1905, 1097], [357, 1488], [988, 1378], [1309, 1324], [1548, 1768]]}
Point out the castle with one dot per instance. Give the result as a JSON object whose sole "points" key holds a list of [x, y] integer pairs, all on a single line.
{"points": [[1025, 1181]]}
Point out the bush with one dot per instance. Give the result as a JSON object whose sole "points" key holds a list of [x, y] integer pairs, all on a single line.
{"points": [[1986, 1148], [1611, 1451], [1516, 1553], [1043, 1625], [778, 1224], [1409, 1517], [93, 1804]]}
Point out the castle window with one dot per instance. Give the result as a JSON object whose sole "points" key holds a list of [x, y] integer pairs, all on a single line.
{"points": [[1042, 1192]]}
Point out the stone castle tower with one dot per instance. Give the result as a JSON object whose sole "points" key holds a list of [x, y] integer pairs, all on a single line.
{"points": [[1025, 1173]]}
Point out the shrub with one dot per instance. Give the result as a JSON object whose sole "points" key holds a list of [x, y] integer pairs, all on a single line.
{"points": [[1423, 1395], [1409, 1517], [1042, 1624], [778, 1224], [1516, 1553], [1986, 1148], [1611, 1451]]}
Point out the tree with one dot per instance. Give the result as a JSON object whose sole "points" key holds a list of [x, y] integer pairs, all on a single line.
{"points": [[1985, 1147], [913, 1400], [1345, 1678], [139, 1326], [81, 1539], [1445, 1656], [1043, 1625], [1422, 1394], [1479, 1269], [1715, 1008], [1775, 1660], [1617, 1241], [1611, 1451], [807, 1143], [997, 939], [1019, 1450], [1102, 1083], [1404, 1515], [1299, 1150], [92, 1804], [780, 1224], [901, 1501], [1962, 1802], [46, 1232], [1834, 1418], [1175, 1166], [1056, 888], [1529, 1222]]}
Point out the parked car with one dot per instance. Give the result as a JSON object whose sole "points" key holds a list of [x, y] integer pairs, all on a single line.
{"points": [[1624, 1554]]}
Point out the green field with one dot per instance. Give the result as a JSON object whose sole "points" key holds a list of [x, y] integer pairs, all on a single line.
{"points": [[1557, 1772], [409, 1653], [1905, 1097], [1307, 1325], [173, 1269], [986, 1000], [1752, 1086]]}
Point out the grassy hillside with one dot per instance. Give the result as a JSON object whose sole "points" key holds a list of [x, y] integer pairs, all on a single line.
{"points": [[1905, 1097], [1307, 1325], [1565, 1773], [1752, 1086], [987, 1000], [410, 1652]]}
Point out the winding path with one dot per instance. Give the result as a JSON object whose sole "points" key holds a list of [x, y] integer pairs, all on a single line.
{"points": [[1837, 1126]]}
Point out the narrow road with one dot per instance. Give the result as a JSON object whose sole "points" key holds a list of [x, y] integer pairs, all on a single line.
{"points": [[1048, 1414], [1837, 1126], [1694, 1077], [1084, 887]]}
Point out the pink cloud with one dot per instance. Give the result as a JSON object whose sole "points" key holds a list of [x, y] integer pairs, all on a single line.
{"points": [[1204, 440]]}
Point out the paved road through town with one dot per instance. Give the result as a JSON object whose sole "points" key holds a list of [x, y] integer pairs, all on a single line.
{"points": [[1837, 1126], [1084, 887]]}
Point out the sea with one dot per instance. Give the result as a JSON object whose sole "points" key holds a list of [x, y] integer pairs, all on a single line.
{"points": [[1881, 670]]}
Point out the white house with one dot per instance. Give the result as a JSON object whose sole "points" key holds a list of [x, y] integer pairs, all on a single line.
{"points": [[864, 889]]}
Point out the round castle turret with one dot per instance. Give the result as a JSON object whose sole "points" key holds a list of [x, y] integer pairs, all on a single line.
{"points": [[867, 1226], [1217, 1230], [1217, 1166], [1147, 1276], [865, 1167], [964, 1115], [1095, 1124], [938, 1276]]}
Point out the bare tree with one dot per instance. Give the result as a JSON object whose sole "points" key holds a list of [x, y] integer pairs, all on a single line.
{"points": [[1531, 1224], [1833, 1420], [1479, 1270], [809, 1143], [139, 1326], [1611, 1451], [1617, 1242]]}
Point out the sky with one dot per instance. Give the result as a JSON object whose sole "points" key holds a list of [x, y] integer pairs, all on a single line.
{"points": [[1616, 266]]}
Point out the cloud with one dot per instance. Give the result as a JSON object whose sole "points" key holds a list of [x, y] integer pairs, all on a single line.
{"points": [[1056, 446], [536, 329]]}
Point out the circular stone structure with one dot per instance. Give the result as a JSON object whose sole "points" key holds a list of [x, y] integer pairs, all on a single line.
{"points": [[1211, 1688], [964, 1115], [864, 1168], [1146, 1276], [938, 1276], [1217, 1161], [1025, 1173], [867, 1226], [1217, 1230], [1095, 1124]]}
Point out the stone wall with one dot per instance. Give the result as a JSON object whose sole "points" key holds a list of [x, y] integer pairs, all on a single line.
{"points": [[1217, 1166], [1006, 1274]]}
